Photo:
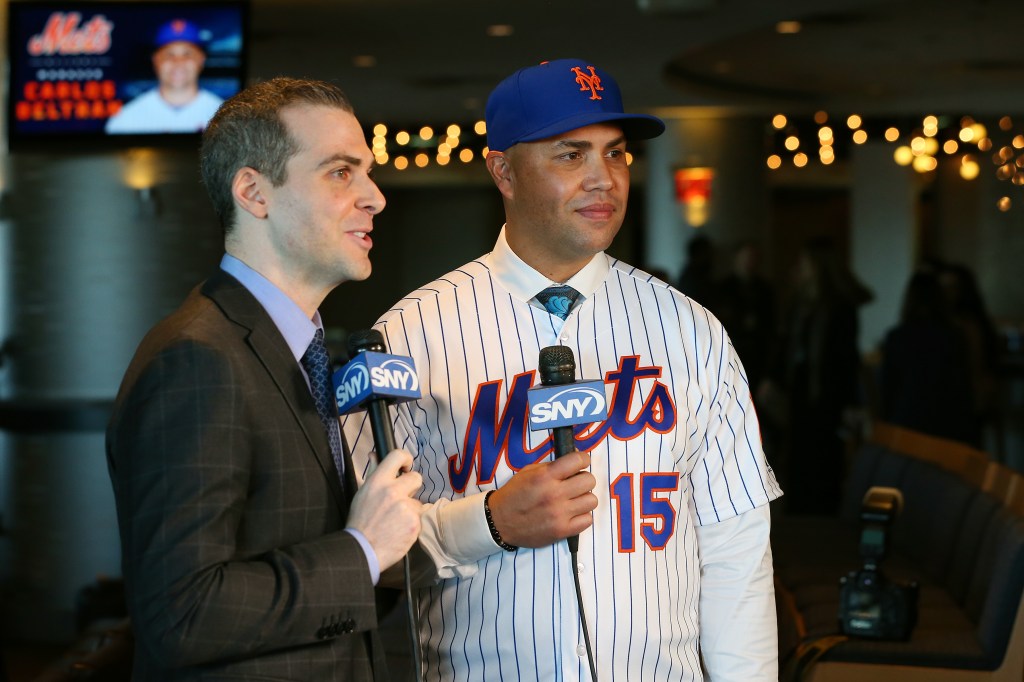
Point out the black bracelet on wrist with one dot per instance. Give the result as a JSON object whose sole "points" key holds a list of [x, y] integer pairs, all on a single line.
{"points": [[490, 525]]}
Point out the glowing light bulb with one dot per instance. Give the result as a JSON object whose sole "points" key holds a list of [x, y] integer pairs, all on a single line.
{"points": [[903, 155]]}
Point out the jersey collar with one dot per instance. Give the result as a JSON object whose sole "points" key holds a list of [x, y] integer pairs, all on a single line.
{"points": [[523, 282]]}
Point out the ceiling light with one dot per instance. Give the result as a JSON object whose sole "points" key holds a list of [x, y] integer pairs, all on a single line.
{"points": [[500, 30], [924, 164], [970, 169], [788, 27], [364, 61]]}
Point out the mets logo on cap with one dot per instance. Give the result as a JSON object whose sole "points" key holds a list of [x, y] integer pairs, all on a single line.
{"points": [[179, 29], [555, 97], [588, 81]]}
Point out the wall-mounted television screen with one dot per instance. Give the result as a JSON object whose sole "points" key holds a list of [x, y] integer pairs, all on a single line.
{"points": [[117, 74]]}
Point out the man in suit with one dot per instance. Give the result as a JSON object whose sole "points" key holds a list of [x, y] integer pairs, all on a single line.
{"points": [[246, 555]]}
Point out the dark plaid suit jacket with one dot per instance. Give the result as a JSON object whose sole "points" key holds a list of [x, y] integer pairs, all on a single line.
{"points": [[230, 507]]}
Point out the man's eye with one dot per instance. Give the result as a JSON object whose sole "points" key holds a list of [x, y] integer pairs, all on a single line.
{"points": [[572, 156], [342, 173]]}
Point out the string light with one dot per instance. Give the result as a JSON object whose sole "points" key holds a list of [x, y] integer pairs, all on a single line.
{"points": [[918, 144], [434, 145]]}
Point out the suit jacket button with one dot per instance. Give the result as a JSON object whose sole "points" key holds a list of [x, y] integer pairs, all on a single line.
{"points": [[349, 626]]}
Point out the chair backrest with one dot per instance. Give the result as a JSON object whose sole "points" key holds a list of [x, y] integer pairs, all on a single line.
{"points": [[980, 510], [859, 479], [934, 505], [995, 590]]}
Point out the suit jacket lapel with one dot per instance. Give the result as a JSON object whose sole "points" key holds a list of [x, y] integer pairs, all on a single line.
{"points": [[270, 348]]}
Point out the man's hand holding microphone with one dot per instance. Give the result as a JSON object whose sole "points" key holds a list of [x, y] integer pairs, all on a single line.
{"points": [[384, 509]]}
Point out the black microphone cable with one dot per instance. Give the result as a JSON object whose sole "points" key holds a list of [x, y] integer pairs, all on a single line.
{"points": [[384, 442], [557, 366]]}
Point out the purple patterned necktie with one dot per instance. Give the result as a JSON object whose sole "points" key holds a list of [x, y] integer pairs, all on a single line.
{"points": [[317, 364], [558, 300]]}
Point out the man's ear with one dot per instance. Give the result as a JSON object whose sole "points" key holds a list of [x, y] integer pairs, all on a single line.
{"points": [[247, 189], [501, 172]]}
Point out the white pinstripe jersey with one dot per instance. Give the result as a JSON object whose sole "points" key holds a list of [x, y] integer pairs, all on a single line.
{"points": [[680, 448]]}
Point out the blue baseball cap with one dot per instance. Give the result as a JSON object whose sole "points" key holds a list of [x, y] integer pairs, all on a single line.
{"points": [[178, 29], [555, 97]]}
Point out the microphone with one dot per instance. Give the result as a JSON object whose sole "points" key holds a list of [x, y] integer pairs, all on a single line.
{"points": [[561, 402], [373, 379]]}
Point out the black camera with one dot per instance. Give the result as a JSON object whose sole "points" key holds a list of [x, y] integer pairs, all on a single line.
{"points": [[870, 605]]}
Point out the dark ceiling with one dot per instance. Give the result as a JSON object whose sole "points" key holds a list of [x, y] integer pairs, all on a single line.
{"points": [[434, 61]]}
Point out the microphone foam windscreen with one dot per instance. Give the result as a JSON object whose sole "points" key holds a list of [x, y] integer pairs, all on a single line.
{"points": [[366, 339], [557, 365]]}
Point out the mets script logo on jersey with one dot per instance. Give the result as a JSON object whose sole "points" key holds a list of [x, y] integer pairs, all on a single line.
{"points": [[493, 433], [589, 81]]}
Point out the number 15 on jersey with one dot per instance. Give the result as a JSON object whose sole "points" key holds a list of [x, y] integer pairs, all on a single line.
{"points": [[649, 503]]}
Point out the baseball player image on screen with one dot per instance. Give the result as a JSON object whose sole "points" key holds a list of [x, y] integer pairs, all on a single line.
{"points": [[669, 494], [177, 104]]}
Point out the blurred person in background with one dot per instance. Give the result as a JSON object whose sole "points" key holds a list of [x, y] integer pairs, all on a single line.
{"points": [[969, 312], [746, 306], [818, 369], [925, 377], [698, 278]]}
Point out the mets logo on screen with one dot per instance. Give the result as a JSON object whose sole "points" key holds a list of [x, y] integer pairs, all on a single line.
{"points": [[495, 431]]}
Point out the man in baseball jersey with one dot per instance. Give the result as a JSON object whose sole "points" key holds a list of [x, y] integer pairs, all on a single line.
{"points": [[669, 493]]}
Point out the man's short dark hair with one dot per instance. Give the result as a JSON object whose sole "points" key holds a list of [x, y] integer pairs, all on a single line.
{"points": [[247, 130]]}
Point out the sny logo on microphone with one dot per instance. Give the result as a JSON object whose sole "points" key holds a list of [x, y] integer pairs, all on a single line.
{"points": [[375, 375], [581, 402]]}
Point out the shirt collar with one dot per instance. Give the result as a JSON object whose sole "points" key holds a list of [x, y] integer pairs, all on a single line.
{"points": [[523, 282], [295, 327]]}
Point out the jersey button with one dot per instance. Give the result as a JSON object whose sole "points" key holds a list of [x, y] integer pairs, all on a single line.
{"points": [[581, 650], [582, 568]]}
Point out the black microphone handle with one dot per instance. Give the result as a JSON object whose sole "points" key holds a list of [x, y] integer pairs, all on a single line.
{"points": [[563, 441], [380, 426]]}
